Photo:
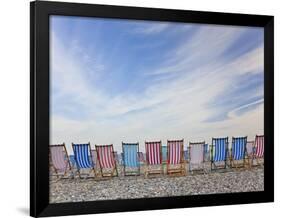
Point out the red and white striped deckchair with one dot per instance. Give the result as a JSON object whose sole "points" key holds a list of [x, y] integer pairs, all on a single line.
{"points": [[153, 158], [105, 154], [175, 158], [258, 148], [59, 160]]}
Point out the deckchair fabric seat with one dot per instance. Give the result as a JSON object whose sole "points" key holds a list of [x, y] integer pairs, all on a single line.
{"points": [[238, 151], [59, 160], [175, 161], [131, 158], [82, 156], [107, 161], [238, 148], [219, 152], [153, 158], [196, 156]]}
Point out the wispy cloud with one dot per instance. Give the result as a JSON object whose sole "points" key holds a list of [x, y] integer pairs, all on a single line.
{"points": [[192, 91]]}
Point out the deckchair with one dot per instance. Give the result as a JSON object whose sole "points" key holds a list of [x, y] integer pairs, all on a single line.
{"points": [[175, 158], [153, 158], [258, 152], [107, 160], [83, 159], [238, 152], [131, 159], [59, 160], [219, 152], [196, 156]]}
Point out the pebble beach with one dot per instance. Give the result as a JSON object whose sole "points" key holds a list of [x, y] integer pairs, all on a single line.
{"points": [[131, 187]]}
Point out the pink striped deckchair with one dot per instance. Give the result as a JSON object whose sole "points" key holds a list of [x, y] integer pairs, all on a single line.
{"points": [[196, 156], [175, 159], [258, 148], [153, 158], [59, 160], [107, 162]]}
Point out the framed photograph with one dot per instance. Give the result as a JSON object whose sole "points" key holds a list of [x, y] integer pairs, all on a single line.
{"points": [[145, 108]]}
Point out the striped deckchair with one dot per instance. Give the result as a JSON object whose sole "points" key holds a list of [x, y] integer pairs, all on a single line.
{"points": [[153, 158], [219, 152], [131, 159], [196, 156], [59, 160], [238, 151], [83, 159], [107, 160], [258, 152], [175, 158]]}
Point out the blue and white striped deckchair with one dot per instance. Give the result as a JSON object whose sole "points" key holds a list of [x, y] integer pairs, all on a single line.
{"points": [[238, 151], [219, 152], [131, 158], [83, 158]]}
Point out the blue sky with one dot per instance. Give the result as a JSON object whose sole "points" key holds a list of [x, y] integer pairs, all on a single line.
{"points": [[125, 80]]}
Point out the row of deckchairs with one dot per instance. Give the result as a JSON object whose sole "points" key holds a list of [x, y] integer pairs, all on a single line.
{"points": [[102, 160], [240, 150]]}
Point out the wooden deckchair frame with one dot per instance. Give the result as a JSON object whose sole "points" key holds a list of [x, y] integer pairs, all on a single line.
{"points": [[91, 158], [235, 163], [148, 171], [202, 170], [181, 169], [212, 155], [131, 173], [254, 154], [68, 161], [114, 169]]}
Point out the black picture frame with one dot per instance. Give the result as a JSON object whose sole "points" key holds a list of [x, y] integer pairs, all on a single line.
{"points": [[39, 107]]}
